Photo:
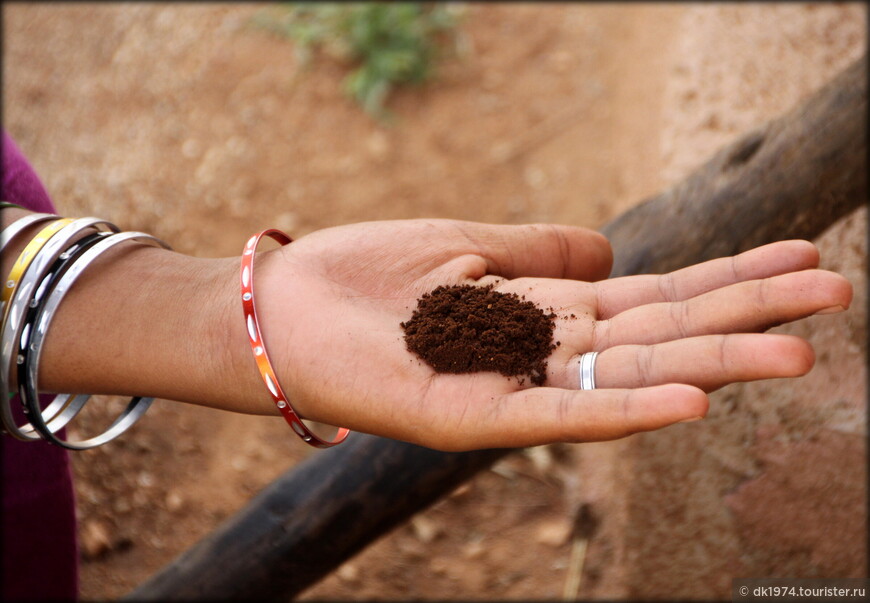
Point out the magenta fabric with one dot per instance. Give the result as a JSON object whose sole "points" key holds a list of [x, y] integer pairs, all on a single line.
{"points": [[40, 549]]}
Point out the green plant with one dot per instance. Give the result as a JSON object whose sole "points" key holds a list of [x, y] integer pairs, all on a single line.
{"points": [[390, 43]]}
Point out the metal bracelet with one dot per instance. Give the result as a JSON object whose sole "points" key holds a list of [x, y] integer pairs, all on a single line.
{"points": [[137, 405], [258, 345], [12, 231], [63, 407], [27, 255], [12, 324]]}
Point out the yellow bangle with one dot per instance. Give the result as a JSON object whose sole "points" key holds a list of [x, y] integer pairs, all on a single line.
{"points": [[24, 259]]}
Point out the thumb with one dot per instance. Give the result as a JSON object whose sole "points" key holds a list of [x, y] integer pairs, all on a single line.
{"points": [[540, 250], [542, 415]]}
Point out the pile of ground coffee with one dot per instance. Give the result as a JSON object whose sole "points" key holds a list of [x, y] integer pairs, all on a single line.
{"points": [[466, 329]]}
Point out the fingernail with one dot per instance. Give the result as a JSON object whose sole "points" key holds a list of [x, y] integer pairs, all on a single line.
{"points": [[690, 419], [831, 310]]}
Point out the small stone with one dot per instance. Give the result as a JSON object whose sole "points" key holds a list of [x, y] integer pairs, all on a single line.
{"points": [[553, 533], [460, 492], [503, 469], [95, 539], [541, 457], [348, 573], [473, 550], [425, 529], [174, 501]]}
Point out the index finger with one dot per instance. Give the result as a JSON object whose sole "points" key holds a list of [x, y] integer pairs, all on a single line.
{"points": [[620, 294]]}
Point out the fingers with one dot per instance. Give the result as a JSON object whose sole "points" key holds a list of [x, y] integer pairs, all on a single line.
{"points": [[742, 307], [541, 415], [708, 362], [543, 250], [640, 388], [620, 294]]}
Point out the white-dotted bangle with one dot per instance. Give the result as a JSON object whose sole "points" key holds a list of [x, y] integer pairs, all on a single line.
{"points": [[12, 327], [137, 405], [65, 407], [258, 345]]}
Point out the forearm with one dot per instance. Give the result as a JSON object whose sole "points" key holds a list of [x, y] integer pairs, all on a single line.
{"points": [[151, 322]]}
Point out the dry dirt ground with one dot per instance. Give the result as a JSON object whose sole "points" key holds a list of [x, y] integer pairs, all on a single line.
{"points": [[184, 121]]}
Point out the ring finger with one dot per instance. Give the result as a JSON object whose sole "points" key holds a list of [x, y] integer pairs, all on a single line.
{"points": [[707, 362]]}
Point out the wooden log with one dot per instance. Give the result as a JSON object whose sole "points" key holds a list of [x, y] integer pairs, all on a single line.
{"points": [[309, 520], [793, 177]]}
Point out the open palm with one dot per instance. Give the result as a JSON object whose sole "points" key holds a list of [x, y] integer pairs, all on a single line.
{"points": [[332, 302]]}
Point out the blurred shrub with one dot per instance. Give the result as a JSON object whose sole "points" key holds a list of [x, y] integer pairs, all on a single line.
{"points": [[389, 43]]}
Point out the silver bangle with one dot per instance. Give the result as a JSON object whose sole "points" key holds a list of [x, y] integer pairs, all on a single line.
{"points": [[137, 405], [64, 407], [13, 325], [13, 230], [587, 370]]}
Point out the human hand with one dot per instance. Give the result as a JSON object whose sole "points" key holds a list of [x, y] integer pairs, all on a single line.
{"points": [[331, 304]]}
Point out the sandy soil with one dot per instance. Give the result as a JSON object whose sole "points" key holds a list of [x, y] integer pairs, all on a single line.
{"points": [[184, 121]]}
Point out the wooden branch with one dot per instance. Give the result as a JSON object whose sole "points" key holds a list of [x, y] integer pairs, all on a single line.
{"points": [[792, 178], [309, 520]]}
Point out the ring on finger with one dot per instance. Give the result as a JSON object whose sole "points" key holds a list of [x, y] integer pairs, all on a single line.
{"points": [[587, 370]]}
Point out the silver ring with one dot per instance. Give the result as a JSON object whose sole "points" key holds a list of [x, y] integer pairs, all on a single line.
{"points": [[587, 370]]}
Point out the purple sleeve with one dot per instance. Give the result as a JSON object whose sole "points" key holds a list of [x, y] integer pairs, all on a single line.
{"points": [[20, 183], [40, 550]]}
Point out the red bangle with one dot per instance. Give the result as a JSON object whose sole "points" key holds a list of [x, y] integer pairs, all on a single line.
{"points": [[258, 345]]}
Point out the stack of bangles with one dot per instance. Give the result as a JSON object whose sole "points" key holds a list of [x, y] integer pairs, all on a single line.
{"points": [[40, 277], [42, 274]]}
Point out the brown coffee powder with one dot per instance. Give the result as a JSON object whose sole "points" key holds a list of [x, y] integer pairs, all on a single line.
{"points": [[466, 329]]}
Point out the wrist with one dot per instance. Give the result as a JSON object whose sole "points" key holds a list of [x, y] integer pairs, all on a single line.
{"points": [[151, 322]]}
